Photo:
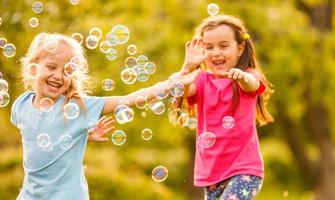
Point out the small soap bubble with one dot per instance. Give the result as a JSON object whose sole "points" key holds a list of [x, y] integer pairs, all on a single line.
{"points": [[140, 102], [65, 142], [111, 38], [142, 60], [192, 123], [111, 54], [150, 67], [183, 119], [37, 7], [108, 85], [4, 99], [123, 114], [92, 42], [174, 103], [228, 122], [146, 134], [121, 33], [33, 70], [78, 37], [3, 42], [96, 32], [74, 2], [105, 46], [3, 86], [9, 50], [206, 139], [158, 108], [159, 173], [141, 74], [34, 22], [46, 104], [130, 62], [177, 89], [43, 140], [70, 68], [119, 137], [51, 45], [213, 9], [128, 76], [71, 110], [132, 49]]}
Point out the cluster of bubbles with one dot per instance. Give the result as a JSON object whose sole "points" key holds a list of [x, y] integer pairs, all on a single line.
{"points": [[70, 110], [44, 142], [4, 96], [159, 173], [8, 49], [179, 117], [37, 7], [207, 139], [213, 9]]}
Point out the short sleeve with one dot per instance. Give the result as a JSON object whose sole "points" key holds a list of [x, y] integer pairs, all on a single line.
{"points": [[199, 87], [94, 106]]}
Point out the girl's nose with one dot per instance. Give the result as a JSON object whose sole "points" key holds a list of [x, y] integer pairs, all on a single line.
{"points": [[58, 74], [216, 52]]}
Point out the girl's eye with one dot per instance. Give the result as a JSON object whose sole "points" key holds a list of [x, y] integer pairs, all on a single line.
{"points": [[209, 48], [51, 67]]}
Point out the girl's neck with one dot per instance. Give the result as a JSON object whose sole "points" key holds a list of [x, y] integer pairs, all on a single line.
{"points": [[38, 97]]}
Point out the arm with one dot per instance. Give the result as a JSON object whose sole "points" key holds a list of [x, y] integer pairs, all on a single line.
{"points": [[247, 81], [149, 92]]}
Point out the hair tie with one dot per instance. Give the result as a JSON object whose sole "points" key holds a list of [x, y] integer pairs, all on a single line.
{"points": [[245, 36]]}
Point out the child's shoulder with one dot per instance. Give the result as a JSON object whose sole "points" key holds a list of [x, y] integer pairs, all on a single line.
{"points": [[25, 97]]}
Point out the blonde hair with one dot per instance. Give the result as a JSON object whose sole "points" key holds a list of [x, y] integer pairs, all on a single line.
{"points": [[81, 81], [246, 60]]}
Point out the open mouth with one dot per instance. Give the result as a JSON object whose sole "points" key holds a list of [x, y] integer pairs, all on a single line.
{"points": [[54, 85], [218, 62]]}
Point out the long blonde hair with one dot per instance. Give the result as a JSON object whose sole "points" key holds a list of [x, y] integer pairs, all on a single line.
{"points": [[246, 60], [81, 81]]}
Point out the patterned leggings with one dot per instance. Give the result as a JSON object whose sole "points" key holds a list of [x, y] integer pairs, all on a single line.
{"points": [[239, 187]]}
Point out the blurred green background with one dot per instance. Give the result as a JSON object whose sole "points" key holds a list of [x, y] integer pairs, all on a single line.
{"points": [[295, 43]]}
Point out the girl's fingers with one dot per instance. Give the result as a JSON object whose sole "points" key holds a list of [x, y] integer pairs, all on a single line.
{"points": [[106, 119], [194, 42], [188, 43], [101, 119], [108, 130], [108, 124]]}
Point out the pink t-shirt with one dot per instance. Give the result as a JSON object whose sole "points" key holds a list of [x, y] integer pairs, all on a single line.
{"points": [[236, 148]]}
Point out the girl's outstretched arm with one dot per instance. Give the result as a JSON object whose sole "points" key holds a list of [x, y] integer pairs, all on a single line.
{"points": [[247, 81], [149, 92]]}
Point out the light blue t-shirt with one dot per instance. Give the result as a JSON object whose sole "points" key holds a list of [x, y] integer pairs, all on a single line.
{"points": [[53, 148]]}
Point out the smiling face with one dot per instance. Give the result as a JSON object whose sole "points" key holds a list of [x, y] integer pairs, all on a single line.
{"points": [[53, 82], [224, 50]]}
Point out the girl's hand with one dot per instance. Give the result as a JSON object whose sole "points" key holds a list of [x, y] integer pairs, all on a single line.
{"points": [[195, 54], [97, 134], [236, 74]]}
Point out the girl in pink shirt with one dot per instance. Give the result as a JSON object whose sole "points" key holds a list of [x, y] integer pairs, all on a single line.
{"points": [[230, 94]]}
